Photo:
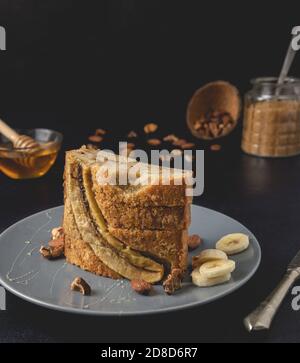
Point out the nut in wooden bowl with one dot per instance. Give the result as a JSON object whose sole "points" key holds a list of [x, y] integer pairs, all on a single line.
{"points": [[214, 110]]}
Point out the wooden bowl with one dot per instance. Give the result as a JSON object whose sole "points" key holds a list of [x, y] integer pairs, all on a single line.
{"points": [[217, 96]]}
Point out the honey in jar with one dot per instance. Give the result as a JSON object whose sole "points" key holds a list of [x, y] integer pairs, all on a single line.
{"points": [[27, 164]]}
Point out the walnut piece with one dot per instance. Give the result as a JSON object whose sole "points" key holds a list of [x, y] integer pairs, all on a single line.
{"points": [[52, 253], [141, 287], [80, 285]]}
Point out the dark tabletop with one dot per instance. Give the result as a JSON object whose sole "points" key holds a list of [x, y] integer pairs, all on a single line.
{"points": [[118, 64], [261, 193]]}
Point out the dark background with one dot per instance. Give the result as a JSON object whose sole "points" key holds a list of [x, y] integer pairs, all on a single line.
{"points": [[117, 64]]}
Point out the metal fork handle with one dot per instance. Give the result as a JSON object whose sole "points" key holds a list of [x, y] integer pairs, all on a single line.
{"points": [[262, 317]]}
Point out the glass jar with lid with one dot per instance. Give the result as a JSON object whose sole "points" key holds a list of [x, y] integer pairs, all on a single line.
{"points": [[272, 118]]}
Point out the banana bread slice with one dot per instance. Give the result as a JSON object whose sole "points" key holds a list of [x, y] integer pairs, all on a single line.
{"points": [[96, 239]]}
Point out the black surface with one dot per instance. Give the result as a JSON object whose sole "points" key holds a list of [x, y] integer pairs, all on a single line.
{"points": [[118, 64]]}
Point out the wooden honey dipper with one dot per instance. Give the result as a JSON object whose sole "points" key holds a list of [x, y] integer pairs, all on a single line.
{"points": [[18, 141], [25, 144]]}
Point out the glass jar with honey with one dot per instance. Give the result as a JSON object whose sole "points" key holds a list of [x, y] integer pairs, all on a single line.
{"points": [[27, 164], [272, 118]]}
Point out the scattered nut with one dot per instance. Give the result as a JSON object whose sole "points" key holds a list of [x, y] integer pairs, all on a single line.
{"points": [[171, 138], [100, 132], [132, 134], [80, 285], [57, 243], [188, 145], [45, 252], [173, 281], [52, 253], [197, 125], [194, 241], [141, 287], [57, 232], [154, 142], [95, 138], [150, 128], [215, 147], [214, 124]]}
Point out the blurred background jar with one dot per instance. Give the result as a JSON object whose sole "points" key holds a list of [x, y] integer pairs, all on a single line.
{"points": [[272, 118]]}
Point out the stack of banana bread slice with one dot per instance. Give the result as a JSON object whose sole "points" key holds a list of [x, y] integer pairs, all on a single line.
{"points": [[125, 231]]}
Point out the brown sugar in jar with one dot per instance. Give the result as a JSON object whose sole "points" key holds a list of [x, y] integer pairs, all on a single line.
{"points": [[272, 118]]}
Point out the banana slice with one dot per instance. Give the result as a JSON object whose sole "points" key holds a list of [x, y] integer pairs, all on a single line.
{"points": [[217, 268], [201, 281], [233, 243], [208, 255]]}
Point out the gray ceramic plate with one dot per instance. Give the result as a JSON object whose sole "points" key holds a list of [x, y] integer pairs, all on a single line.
{"points": [[26, 274]]}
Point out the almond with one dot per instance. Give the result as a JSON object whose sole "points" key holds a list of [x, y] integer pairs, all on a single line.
{"points": [[150, 128]]}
